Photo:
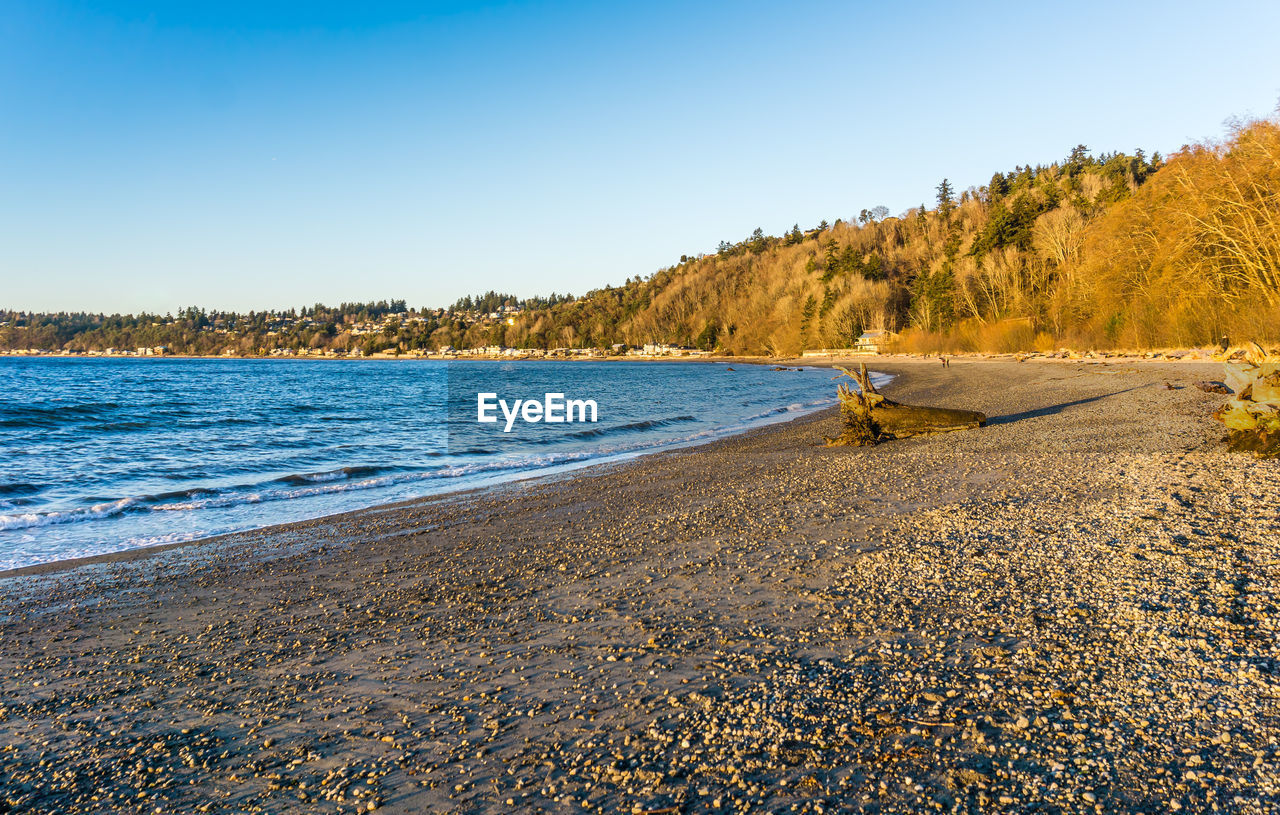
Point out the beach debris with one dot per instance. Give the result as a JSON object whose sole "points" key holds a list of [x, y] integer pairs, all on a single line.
{"points": [[1252, 414], [1210, 386], [869, 417]]}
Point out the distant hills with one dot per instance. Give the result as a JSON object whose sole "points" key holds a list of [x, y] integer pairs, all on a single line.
{"points": [[1106, 251]]}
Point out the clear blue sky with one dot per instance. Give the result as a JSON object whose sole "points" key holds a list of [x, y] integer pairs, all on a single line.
{"points": [[263, 154]]}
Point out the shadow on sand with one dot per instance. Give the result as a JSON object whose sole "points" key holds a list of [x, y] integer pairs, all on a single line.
{"points": [[1052, 409]]}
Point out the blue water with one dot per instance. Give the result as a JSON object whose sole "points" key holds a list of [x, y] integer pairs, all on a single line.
{"points": [[104, 455]]}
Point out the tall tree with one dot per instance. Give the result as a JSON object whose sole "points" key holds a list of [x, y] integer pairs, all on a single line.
{"points": [[946, 199]]}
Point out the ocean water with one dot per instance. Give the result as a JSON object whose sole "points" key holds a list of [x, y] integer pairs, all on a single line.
{"points": [[105, 455]]}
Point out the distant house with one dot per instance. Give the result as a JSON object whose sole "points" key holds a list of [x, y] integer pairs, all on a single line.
{"points": [[873, 342], [662, 349]]}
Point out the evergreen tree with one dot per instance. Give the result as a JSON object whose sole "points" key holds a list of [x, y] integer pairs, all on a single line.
{"points": [[946, 199]]}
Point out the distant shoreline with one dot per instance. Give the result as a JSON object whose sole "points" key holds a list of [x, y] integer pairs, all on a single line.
{"points": [[1173, 355], [400, 358]]}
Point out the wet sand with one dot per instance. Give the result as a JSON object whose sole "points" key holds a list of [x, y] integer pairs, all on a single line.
{"points": [[1072, 609]]}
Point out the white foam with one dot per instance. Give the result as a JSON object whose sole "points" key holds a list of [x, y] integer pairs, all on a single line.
{"points": [[320, 478], [27, 520]]}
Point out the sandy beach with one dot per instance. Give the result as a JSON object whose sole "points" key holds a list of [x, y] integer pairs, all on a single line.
{"points": [[1073, 609]]}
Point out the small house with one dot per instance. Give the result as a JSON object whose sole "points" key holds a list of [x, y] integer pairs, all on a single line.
{"points": [[873, 342]]}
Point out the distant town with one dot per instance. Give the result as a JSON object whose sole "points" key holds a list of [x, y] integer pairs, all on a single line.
{"points": [[384, 329]]}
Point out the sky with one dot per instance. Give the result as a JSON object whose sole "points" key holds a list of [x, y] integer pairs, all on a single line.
{"points": [[255, 155]]}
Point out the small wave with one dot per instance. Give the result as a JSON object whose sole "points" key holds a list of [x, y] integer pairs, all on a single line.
{"points": [[210, 503], [330, 475], [28, 520], [198, 499], [204, 423], [630, 427], [794, 407], [191, 493], [20, 488], [117, 427], [54, 415]]}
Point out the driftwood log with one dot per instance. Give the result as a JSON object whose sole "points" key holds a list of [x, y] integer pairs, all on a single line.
{"points": [[1252, 414], [869, 417]]}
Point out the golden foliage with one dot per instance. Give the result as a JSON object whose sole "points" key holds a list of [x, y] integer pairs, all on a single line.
{"points": [[1193, 256]]}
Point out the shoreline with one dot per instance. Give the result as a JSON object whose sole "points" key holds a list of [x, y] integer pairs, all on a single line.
{"points": [[566, 470], [1154, 355], [555, 471], [558, 471], [758, 623]]}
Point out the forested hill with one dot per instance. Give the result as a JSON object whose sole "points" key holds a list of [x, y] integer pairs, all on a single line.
{"points": [[1091, 252], [1094, 251], [975, 257]]}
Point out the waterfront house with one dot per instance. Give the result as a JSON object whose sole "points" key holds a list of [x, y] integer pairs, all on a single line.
{"points": [[873, 342]]}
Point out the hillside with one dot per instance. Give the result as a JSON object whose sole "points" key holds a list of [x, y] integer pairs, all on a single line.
{"points": [[1109, 251], [1114, 251]]}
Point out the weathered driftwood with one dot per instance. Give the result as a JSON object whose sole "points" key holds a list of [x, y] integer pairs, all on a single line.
{"points": [[1252, 414], [869, 417]]}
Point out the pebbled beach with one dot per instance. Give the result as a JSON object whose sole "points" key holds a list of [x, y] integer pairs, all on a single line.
{"points": [[1073, 609]]}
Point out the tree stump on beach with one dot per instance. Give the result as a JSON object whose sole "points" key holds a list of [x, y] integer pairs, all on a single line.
{"points": [[869, 417], [1252, 414]]}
